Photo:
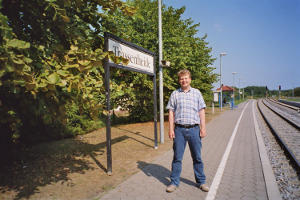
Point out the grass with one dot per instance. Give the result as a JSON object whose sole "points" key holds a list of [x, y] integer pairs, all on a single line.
{"points": [[297, 99]]}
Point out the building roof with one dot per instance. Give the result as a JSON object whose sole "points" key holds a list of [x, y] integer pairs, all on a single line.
{"points": [[226, 88]]}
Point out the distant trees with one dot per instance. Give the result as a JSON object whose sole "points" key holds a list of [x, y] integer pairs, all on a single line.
{"points": [[260, 91], [297, 91], [256, 91]]}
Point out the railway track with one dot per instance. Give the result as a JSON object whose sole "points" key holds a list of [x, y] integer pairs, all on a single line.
{"points": [[291, 105], [285, 126], [288, 113]]}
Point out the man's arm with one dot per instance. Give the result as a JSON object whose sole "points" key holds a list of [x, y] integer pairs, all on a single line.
{"points": [[171, 124], [202, 123]]}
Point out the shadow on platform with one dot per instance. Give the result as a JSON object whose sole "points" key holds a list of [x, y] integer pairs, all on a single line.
{"points": [[160, 173]]}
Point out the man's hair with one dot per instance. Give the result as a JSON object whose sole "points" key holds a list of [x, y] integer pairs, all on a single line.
{"points": [[183, 72]]}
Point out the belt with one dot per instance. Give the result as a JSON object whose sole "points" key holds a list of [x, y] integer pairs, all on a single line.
{"points": [[186, 125]]}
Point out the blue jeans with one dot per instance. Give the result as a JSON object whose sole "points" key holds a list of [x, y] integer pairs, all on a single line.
{"points": [[192, 136]]}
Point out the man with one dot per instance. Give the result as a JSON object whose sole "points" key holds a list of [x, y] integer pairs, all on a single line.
{"points": [[186, 124]]}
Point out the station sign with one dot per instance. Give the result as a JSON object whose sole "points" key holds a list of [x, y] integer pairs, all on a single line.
{"points": [[140, 59]]}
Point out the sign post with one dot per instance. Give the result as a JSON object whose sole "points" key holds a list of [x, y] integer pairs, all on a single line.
{"points": [[140, 60], [279, 90]]}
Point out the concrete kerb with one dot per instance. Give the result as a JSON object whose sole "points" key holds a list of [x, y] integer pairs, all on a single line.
{"points": [[271, 185]]}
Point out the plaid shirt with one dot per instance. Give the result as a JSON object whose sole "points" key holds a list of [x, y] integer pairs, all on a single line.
{"points": [[186, 105]]}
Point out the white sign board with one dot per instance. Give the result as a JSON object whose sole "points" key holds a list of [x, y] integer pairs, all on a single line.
{"points": [[216, 96], [137, 59]]}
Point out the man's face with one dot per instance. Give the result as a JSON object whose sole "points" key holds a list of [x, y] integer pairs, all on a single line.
{"points": [[185, 81]]}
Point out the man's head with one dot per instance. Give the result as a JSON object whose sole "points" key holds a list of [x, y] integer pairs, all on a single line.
{"points": [[184, 78]]}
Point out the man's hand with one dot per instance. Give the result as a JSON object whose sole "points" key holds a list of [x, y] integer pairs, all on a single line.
{"points": [[171, 134], [202, 132], [171, 125], [202, 123]]}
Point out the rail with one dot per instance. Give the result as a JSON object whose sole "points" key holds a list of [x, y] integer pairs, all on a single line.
{"points": [[286, 104], [281, 142], [283, 117]]}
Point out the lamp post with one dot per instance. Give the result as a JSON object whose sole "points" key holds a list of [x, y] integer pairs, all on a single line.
{"points": [[160, 57], [242, 88], [239, 89], [233, 73], [221, 98]]}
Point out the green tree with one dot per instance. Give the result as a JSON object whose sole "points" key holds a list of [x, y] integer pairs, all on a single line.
{"points": [[181, 46], [256, 91], [51, 59], [297, 92]]}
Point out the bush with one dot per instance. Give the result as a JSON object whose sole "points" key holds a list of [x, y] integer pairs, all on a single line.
{"points": [[297, 92]]}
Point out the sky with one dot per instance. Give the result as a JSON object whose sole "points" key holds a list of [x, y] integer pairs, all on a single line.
{"points": [[261, 39]]}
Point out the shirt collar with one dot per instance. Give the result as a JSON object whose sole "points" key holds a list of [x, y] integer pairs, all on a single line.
{"points": [[181, 90]]}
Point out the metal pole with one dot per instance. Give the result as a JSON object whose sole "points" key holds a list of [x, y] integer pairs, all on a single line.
{"points": [[108, 119], [233, 73], [161, 100], [155, 111], [221, 99], [293, 92], [232, 89], [239, 89]]}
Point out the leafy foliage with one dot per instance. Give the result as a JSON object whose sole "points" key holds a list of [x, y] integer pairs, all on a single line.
{"points": [[51, 55], [255, 91], [181, 46], [51, 70], [261, 91], [297, 91]]}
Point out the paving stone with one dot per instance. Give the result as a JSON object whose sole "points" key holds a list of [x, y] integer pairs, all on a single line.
{"points": [[243, 169]]}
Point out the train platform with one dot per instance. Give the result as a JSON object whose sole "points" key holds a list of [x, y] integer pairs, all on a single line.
{"points": [[235, 163]]}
